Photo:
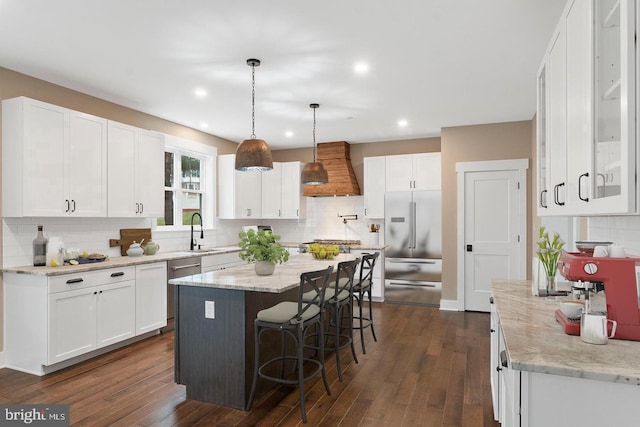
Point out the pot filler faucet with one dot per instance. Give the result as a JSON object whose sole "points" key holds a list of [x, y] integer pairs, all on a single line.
{"points": [[192, 243]]}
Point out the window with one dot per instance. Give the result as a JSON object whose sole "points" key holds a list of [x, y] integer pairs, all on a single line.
{"points": [[189, 184]]}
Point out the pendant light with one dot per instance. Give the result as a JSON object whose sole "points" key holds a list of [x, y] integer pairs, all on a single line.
{"points": [[314, 173], [253, 154]]}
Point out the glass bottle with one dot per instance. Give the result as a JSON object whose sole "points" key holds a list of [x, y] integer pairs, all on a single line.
{"points": [[40, 249]]}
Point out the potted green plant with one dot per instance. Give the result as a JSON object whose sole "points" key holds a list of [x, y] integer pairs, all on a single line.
{"points": [[262, 247]]}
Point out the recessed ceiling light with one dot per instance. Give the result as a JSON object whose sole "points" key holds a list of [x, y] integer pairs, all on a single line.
{"points": [[361, 68], [403, 123], [204, 125], [200, 93], [288, 134]]}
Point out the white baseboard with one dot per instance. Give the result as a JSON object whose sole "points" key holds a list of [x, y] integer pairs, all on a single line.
{"points": [[451, 305], [2, 365]]}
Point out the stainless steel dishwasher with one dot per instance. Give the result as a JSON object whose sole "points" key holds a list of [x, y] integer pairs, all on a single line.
{"points": [[179, 268]]}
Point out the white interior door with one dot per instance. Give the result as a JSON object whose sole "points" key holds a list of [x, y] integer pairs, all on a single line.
{"points": [[493, 232]]}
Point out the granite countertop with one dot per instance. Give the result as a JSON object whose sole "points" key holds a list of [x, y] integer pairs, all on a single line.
{"points": [[114, 262], [286, 276], [536, 342]]}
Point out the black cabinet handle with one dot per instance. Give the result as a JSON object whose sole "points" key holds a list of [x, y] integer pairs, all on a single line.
{"points": [[74, 206], [141, 207], [490, 300], [584, 175], [68, 206], [542, 199], [72, 281], [556, 194], [118, 274], [503, 359]]}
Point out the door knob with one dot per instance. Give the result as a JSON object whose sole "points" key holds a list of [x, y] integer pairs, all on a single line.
{"points": [[469, 248]]}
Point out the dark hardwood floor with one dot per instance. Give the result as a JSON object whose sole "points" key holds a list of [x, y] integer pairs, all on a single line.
{"points": [[428, 368]]}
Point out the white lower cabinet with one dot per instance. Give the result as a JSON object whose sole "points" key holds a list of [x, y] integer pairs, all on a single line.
{"points": [[536, 399], [220, 261], [55, 321], [151, 297], [97, 311]]}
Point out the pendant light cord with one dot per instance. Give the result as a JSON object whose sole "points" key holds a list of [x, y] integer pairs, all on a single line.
{"points": [[253, 101], [314, 135]]}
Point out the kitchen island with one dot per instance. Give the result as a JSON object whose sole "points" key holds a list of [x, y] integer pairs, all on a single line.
{"points": [[214, 329], [540, 376]]}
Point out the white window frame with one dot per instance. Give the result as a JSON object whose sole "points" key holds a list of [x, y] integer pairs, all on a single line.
{"points": [[208, 155]]}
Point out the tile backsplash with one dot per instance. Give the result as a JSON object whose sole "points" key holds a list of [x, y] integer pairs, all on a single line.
{"points": [[622, 230], [93, 234]]}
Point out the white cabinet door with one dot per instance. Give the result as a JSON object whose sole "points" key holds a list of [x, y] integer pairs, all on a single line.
{"points": [[579, 111], [413, 172], [239, 193], [54, 161], [293, 201], [248, 194], [427, 171], [72, 324], [151, 297], [86, 166], [374, 186], [115, 312], [45, 135], [272, 192], [557, 120], [399, 173], [135, 172], [121, 148], [150, 174]]}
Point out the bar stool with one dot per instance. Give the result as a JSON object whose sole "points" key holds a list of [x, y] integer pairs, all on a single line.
{"points": [[359, 290], [338, 298], [294, 319]]}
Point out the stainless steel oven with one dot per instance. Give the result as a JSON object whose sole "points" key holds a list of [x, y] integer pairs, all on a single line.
{"points": [[179, 268]]}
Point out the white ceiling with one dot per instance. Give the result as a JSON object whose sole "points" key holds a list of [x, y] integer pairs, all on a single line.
{"points": [[434, 63]]}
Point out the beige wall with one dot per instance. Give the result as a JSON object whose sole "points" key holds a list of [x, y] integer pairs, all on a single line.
{"points": [[499, 141], [14, 84]]}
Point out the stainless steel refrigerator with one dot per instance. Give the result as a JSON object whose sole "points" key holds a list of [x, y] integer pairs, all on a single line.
{"points": [[413, 235]]}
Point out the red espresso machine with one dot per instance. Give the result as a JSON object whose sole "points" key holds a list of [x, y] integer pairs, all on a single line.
{"points": [[618, 277]]}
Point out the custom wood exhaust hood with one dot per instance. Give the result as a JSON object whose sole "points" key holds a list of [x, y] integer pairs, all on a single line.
{"points": [[342, 179]]}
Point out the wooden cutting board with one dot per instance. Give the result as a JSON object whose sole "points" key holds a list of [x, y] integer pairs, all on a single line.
{"points": [[128, 236]]}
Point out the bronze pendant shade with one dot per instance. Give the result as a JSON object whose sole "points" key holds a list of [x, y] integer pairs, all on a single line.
{"points": [[314, 173], [253, 154]]}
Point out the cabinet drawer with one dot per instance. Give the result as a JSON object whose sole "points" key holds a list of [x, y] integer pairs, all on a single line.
{"points": [[220, 259], [87, 279]]}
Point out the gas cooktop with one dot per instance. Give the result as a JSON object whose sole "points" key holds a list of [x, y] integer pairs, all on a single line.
{"points": [[334, 242]]}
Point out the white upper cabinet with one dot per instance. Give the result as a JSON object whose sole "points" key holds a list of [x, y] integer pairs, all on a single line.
{"points": [[587, 157], [374, 186], [413, 172], [53, 160], [272, 192], [294, 204], [136, 174], [239, 193]]}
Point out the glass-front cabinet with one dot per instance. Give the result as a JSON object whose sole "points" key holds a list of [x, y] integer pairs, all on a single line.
{"points": [[586, 132], [614, 144]]}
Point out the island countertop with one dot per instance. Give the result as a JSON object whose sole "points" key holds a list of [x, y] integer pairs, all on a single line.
{"points": [[535, 342], [286, 276]]}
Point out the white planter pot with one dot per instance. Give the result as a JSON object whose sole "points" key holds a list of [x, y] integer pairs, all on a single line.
{"points": [[264, 268]]}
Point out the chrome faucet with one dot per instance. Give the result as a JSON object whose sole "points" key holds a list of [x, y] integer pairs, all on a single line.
{"points": [[192, 243]]}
